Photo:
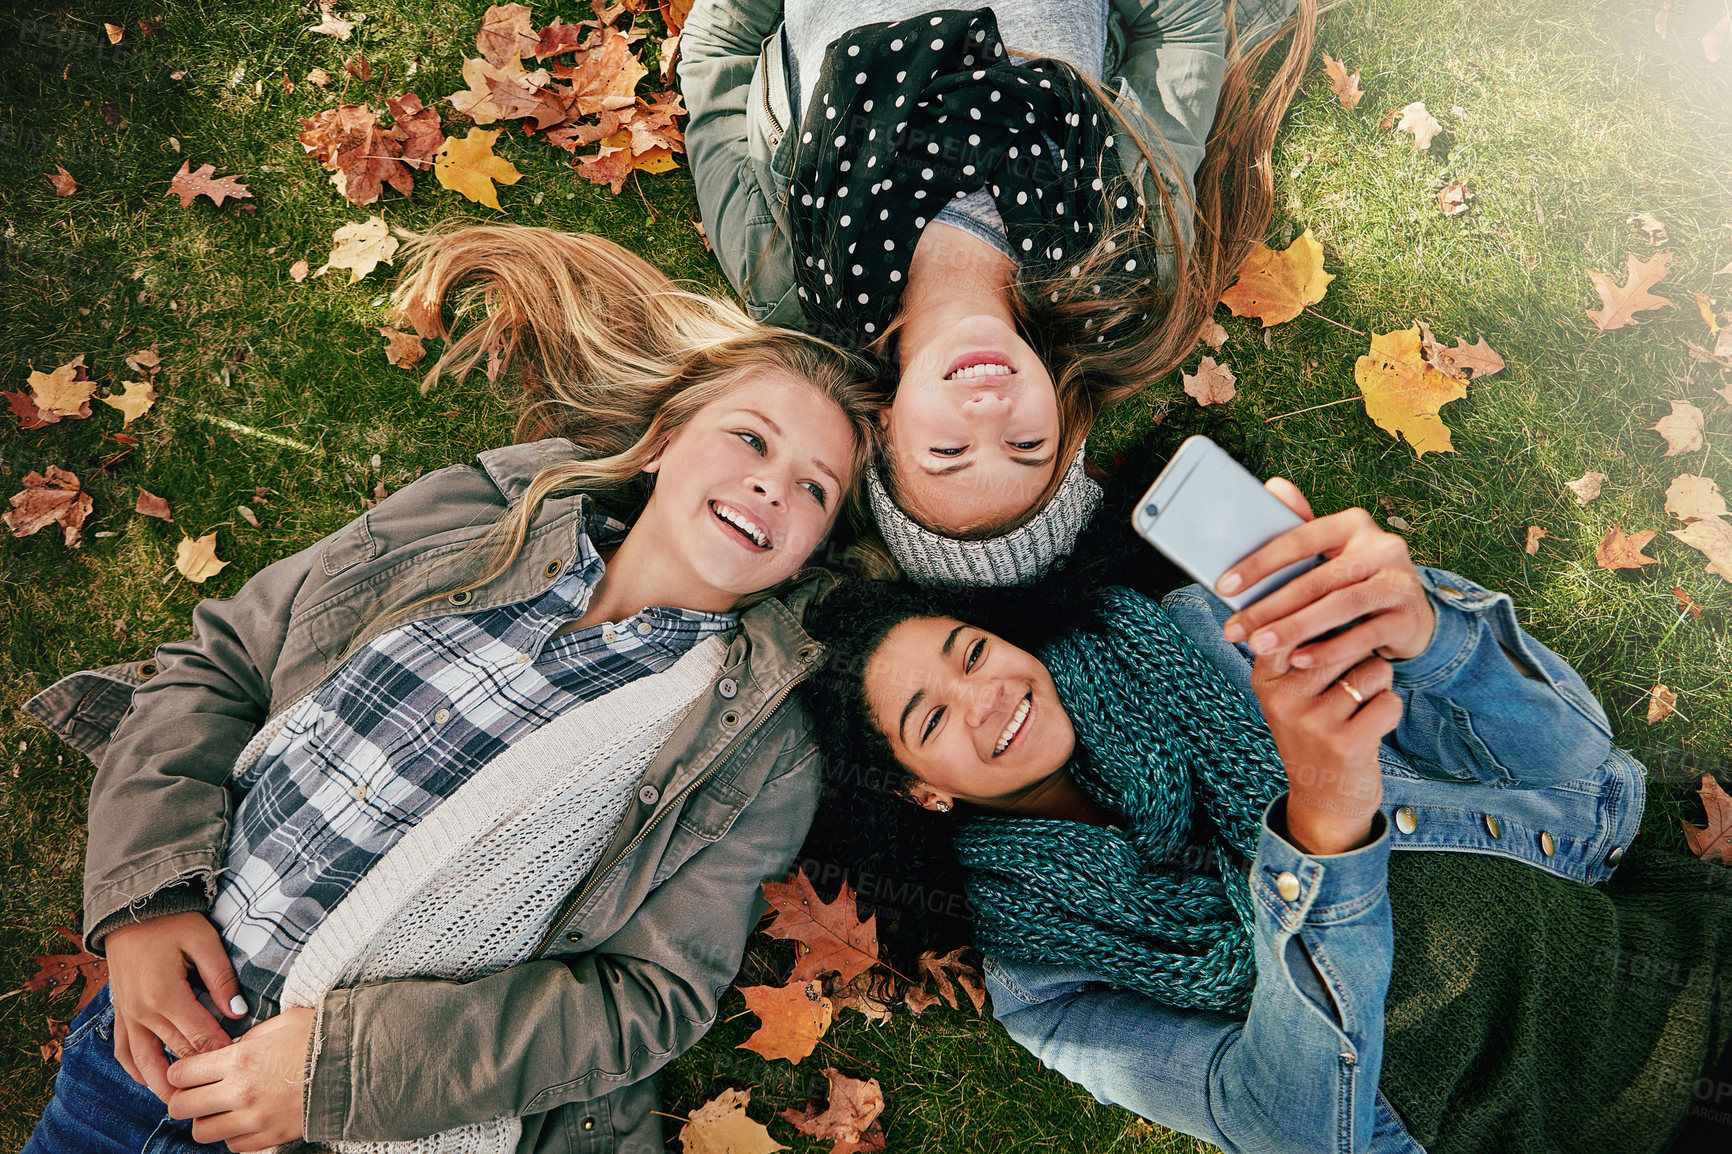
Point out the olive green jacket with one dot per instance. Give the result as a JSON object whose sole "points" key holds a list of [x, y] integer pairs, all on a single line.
{"points": [[1165, 61], [629, 973]]}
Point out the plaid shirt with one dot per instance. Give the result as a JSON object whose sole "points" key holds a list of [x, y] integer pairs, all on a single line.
{"points": [[403, 725]]}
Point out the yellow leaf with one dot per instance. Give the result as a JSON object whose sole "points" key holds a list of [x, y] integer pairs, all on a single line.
{"points": [[1276, 286], [722, 1126], [468, 167], [359, 247], [197, 559], [1704, 307], [1403, 394], [134, 402], [65, 392]]}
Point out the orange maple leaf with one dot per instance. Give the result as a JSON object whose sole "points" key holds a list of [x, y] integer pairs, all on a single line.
{"points": [[1276, 286], [56, 972], [1621, 550], [794, 1017], [1623, 301], [834, 937]]}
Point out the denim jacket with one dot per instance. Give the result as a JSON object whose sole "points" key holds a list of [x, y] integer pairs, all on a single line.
{"points": [[1488, 758]]}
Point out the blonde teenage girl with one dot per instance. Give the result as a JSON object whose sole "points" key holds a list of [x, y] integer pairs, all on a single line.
{"points": [[443, 834]]}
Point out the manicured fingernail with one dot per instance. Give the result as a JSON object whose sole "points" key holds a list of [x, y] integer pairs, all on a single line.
{"points": [[237, 1005], [1228, 584], [1263, 642], [1302, 661], [1234, 632]]}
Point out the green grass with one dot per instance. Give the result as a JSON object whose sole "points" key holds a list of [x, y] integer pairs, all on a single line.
{"points": [[1570, 121]]}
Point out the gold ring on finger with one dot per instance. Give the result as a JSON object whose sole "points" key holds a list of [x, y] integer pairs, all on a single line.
{"points": [[1351, 692]]}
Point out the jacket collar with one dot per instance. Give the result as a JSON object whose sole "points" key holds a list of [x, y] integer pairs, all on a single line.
{"points": [[513, 467]]}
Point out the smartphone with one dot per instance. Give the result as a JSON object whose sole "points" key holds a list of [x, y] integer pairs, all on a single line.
{"points": [[1207, 513]]}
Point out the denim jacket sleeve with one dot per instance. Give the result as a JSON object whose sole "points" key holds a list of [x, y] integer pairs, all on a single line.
{"points": [[1299, 1072], [1473, 699]]}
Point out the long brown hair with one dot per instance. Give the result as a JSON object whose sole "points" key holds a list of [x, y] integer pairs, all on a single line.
{"points": [[1104, 332], [610, 354]]}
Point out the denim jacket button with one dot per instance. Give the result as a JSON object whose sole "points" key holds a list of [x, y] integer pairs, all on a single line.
{"points": [[649, 795], [1287, 885], [1493, 827], [1406, 820], [1616, 856], [1547, 846]]}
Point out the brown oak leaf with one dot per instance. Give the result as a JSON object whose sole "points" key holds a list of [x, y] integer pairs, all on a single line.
{"points": [[940, 968], [722, 1126], [794, 1017], [190, 185], [57, 499], [57, 972], [1535, 533], [1682, 428], [1649, 226], [62, 181], [1479, 360], [1712, 842], [1623, 301], [835, 939], [1621, 550], [850, 1119], [1345, 87]]}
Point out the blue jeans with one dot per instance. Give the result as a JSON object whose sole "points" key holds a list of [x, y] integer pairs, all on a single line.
{"points": [[97, 1108]]}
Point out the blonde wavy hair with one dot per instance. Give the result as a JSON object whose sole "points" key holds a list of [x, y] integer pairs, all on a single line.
{"points": [[601, 348]]}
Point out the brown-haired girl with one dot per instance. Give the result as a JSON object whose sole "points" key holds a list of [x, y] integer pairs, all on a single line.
{"points": [[1028, 210], [455, 819]]}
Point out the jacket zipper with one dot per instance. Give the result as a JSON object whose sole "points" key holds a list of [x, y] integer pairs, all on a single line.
{"points": [[600, 872], [776, 129]]}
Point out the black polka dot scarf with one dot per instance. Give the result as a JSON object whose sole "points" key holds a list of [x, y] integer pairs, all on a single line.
{"points": [[908, 116]]}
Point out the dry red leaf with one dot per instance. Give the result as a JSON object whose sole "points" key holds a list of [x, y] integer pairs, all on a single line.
{"points": [[56, 972], [57, 499], [1687, 604], [850, 1119], [1621, 550], [1624, 301], [1712, 842], [364, 155], [605, 71], [968, 976], [190, 185], [834, 937], [62, 181], [24, 408], [151, 505], [559, 38], [794, 1017]]}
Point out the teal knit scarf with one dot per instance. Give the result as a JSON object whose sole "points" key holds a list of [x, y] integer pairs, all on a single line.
{"points": [[1162, 905]]}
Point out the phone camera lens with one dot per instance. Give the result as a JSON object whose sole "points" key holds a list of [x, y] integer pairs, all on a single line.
{"points": [[1151, 509]]}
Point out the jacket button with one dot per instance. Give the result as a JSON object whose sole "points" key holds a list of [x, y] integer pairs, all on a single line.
{"points": [[1287, 885], [589, 1123], [1406, 820], [441, 716], [649, 795], [644, 628], [462, 597], [727, 687], [1547, 846], [1616, 856], [574, 937], [1493, 827], [553, 567], [147, 670]]}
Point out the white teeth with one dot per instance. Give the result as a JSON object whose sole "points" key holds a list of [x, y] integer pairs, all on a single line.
{"points": [[1012, 727], [970, 372], [743, 523]]}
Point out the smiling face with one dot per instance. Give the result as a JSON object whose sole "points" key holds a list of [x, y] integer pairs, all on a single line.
{"points": [[971, 716], [974, 427], [748, 487]]}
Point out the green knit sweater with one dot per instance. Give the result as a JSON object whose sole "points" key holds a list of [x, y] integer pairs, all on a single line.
{"points": [[1532, 1015]]}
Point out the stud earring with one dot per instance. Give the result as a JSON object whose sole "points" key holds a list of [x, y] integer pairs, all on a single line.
{"points": [[941, 806]]}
